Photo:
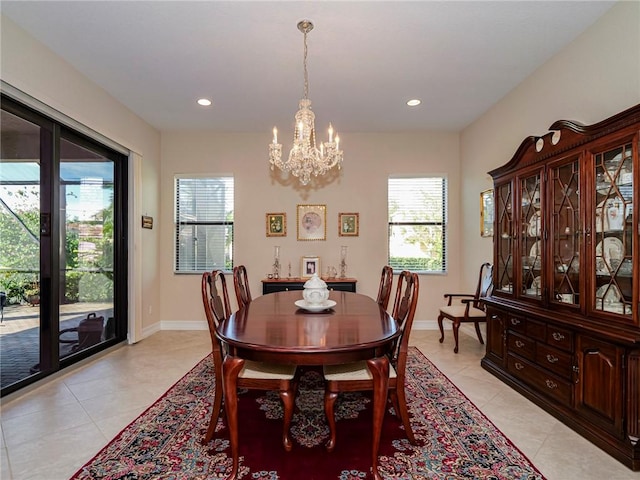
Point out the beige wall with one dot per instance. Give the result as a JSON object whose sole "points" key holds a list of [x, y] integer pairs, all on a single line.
{"points": [[593, 78], [32, 68], [361, 187]]}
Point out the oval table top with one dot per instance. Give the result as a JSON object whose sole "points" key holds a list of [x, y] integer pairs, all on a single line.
{"points": [[273, 328]]}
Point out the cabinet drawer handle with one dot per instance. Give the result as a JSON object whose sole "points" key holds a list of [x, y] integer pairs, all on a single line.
{"points": [[551, 384], [519, 343], [515, 321], [494, 317], [552, 358], [519, 366], [557, 336]]}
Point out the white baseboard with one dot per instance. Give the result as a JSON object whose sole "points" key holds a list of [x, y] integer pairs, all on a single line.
{"points": [[189, 325], [425, 324]]}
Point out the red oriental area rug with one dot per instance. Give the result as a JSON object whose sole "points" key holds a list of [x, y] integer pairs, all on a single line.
{"points": [[456, 440]]}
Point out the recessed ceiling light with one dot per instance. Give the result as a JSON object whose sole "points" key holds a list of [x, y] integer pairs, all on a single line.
{"points": [[205, 102], [414, 102]]}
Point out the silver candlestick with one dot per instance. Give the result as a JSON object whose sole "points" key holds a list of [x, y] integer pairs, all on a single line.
{"points": [[343, 261], [276, 262]]}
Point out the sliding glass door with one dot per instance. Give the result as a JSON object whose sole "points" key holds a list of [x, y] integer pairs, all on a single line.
{"points": [[19, 248], [63, 260]]}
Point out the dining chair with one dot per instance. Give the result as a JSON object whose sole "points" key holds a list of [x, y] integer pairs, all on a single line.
{"points": [[356, 376], [471, 308], [253, 375], [384, 290], [241, 285]]}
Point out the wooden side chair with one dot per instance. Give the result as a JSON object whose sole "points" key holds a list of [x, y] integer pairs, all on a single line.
{"points": [[384, 290], [356, 376], [253, 375], [241, 285], [470, 309]]}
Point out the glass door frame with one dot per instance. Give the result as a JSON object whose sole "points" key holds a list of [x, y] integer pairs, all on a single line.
{"points": [[51, 133]]}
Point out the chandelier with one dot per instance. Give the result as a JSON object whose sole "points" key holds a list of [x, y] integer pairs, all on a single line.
{"points": [[305, 159]]}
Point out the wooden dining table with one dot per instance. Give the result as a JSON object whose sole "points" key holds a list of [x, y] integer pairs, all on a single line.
{"points": [[273, 329]]}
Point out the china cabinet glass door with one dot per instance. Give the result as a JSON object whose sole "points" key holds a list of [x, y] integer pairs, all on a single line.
{"points": [[504, 238], [613, 231], [531, 244], [564, 182]]}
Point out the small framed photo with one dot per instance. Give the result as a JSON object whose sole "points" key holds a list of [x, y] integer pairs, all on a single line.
{"points": [[147, 222], [348, 224], [276, 224], [309, 266], [312, 222], [486, 213]]}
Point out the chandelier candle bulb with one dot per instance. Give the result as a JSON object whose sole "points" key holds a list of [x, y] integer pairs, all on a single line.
{"points": [[275, 136]]}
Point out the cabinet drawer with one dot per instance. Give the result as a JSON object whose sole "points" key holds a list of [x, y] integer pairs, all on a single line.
{"points": [[523, 346], [536, 329], [560, 338], [516, 324], [557, 361], [540, 379]]}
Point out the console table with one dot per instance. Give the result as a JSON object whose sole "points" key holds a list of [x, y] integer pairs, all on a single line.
{"points": [[272, 285]]}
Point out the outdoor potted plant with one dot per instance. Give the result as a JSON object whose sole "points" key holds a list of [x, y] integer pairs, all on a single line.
{"points": [[32, 293]]}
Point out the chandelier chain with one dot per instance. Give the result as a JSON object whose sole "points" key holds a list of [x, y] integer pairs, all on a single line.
{"points": [[304, 64]]}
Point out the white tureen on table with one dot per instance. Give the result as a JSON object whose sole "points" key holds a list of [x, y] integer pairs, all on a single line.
{"points": [[315, 296]]}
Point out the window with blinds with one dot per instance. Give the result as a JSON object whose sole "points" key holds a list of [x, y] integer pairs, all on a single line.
{"points": [[204, 224], [418, 224]]}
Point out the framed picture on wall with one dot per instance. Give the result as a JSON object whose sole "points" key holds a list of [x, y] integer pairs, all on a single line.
{"points": [[276, 224], [348, 224], [486, 213], [312, 222], [309, 265]]}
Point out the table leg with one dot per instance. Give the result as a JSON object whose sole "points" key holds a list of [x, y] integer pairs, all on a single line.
{"points": [[379, 368], [231, 367]]}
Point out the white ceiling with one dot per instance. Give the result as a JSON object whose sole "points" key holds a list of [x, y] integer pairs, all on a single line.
{"points": [[365, 59]]}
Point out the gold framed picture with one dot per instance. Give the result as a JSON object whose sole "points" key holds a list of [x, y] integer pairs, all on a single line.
{"points": [[309, 265], [348, 224], [312, 222], [276, 224], [486, 213]]}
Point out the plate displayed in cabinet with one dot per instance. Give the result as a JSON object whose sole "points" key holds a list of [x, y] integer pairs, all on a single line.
{"points": [[610, 215], [535, 287], [535, 250], [609, 295], [534, 225], [610, 253]]}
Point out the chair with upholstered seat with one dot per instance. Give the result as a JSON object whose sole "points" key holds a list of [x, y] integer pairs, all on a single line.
{"points": [[470, 308], [356, 376], [253, 375], [241, 285], [384, 290]]}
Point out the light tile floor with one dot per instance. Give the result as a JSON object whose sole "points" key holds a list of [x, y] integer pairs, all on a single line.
{"points": [[52, 430]]}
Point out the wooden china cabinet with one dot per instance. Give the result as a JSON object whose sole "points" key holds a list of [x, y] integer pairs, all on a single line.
{"points": [[563, 321]]}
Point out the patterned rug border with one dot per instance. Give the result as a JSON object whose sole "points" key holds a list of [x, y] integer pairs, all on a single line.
{"points": [[488, 420], [536, 474]]}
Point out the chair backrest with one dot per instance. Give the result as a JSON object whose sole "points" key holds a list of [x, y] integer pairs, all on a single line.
{"points": [[485, 285], [241, 285], [386, 282], [215, 300], [404, 309]]}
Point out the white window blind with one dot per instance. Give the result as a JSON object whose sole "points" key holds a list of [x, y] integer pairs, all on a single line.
{"points": [[418, 224], [204, 224]]}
